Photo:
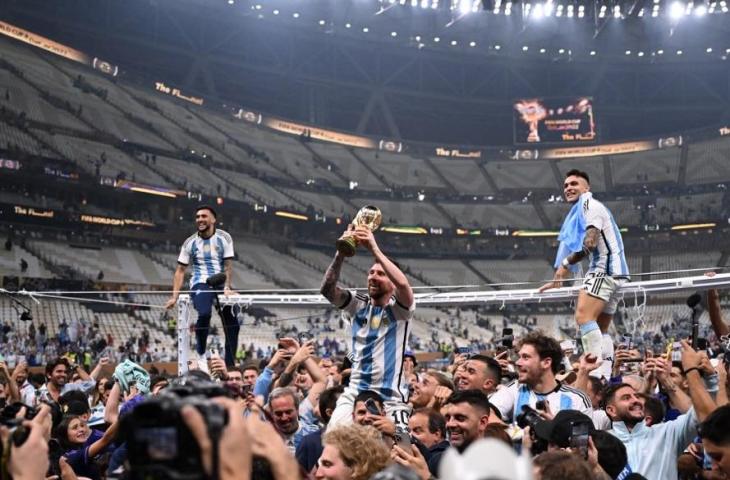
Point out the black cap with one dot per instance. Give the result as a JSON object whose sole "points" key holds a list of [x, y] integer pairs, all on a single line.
{"points": [[559, 430]]}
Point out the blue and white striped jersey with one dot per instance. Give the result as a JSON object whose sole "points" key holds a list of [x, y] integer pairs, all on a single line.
{"points": [[509, 400], [379, 340], [608, 256], [207, 254]]}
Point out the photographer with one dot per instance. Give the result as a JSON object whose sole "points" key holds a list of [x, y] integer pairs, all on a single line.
{"points": [[539, 361]]}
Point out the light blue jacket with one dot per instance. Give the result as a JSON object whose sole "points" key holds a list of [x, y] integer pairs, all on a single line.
{"points": [[653, 451]]}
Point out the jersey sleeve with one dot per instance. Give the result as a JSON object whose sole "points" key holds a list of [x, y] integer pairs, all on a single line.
{"points": [[184, 257], [595, 214], [352, 305], [504, 400], [228, 247], [401, 311]]}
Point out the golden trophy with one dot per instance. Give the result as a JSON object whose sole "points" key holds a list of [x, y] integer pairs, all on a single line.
{"points": [[368, 217], [532, 113]]}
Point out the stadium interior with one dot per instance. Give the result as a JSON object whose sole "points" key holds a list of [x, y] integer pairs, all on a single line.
{"points": [[103, 162]]}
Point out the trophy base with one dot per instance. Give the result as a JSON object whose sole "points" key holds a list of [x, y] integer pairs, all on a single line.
{"points": [[346, 246]]}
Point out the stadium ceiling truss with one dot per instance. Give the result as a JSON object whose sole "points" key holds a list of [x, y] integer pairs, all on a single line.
{"points": [[381, 87]]}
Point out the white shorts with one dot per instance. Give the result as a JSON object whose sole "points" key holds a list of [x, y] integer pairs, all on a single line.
{"points": [[604, 287], [399, 412]]}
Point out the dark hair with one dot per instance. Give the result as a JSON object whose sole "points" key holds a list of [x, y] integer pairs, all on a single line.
{"points": [[654, 408], [61, 433], [436, 421], [562, 465], [597, 386], [365, 395], [441, 378], [475, 398], [493, 367], [207, 207], [714, 428], [612, 455], [610, 392], [328, 399], [499, 432], [50, 366], [73, 395], [546, 347], [250, 366], [578, 173]]}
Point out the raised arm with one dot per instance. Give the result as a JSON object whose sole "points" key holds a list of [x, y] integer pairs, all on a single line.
{"points": [[177, 281], [713, 306], [403, 290], [701, 399], [590, 241], [329, 289]]}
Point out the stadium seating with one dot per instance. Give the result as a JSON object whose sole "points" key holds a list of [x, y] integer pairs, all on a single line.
{"points": [[464, 175], [401, 169], [707, 162], [653, 166], [521, 175]]}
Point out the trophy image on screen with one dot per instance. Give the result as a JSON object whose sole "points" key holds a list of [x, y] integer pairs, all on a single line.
{"points": [[532, 112], [368, 217]]}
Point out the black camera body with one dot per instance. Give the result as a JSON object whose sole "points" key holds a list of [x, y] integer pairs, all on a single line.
{"points": [[529, 418], [159, 443]]}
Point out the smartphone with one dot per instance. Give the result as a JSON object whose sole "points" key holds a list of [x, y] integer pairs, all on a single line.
{"points": [[304, 337], [403, 439], [702, 344], [245, 390], [463, 350], [507, 338], [372, 407], [579, 433]]}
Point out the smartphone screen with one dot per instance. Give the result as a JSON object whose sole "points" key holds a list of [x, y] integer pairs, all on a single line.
{"points": [[579, 433]]}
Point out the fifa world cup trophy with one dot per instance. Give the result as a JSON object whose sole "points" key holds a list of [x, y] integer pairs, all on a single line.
{"points": [[368, 217]]}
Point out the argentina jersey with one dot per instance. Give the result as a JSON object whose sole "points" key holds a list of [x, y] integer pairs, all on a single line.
{"points": [[510, 399], [608, 256], [378, 342], [206, 254]]}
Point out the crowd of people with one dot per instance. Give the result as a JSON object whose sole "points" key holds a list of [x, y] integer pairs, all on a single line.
{"points": [[532, 411]]}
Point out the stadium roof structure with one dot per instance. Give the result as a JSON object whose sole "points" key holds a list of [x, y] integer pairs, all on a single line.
{"points": [[407, 70]]}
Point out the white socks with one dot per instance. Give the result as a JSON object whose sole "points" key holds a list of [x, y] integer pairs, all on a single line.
{"points": [[606, 367], [592, 340]]}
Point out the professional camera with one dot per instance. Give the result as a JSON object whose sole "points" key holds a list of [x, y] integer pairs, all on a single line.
{"points": [[159, 443], [529, 418]]}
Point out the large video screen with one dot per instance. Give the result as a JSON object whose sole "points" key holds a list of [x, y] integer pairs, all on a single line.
{"points": [[554, 121]]}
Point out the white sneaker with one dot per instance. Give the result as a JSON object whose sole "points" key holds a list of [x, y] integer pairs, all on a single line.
{"points": [[604, 371], [203, 364]]}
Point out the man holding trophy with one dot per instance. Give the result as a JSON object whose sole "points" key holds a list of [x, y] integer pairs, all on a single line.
{"points": [[379, 320]]}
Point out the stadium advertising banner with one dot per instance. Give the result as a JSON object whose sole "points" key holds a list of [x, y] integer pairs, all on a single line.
{"points": [[598, 150], [175, 92], [457, 153], [319, 133], [553, 121], [43, 43]]}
